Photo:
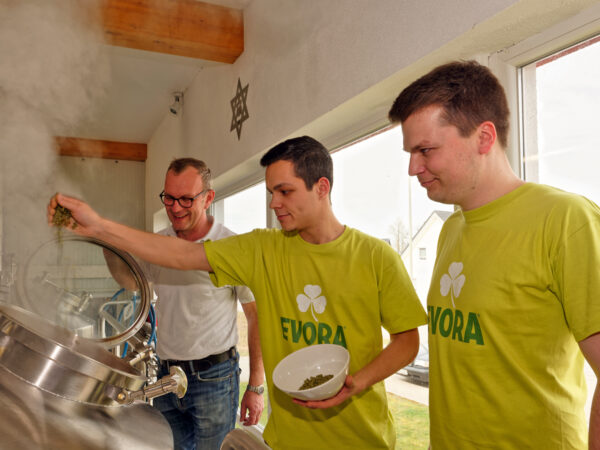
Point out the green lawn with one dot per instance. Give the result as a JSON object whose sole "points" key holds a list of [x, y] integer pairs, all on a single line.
{"points": [[412, 421]]}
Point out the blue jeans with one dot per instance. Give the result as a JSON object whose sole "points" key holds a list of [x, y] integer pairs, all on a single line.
{"points": [[207, 412]]}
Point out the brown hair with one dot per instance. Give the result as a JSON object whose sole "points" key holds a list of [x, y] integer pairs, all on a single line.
{"points": [[178, 165], [468, 92], [310, 158]]}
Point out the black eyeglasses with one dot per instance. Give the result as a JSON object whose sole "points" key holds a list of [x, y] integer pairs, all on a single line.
{"points": [[184, 202]]}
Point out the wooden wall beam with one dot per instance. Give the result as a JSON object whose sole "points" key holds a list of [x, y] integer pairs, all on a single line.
{"points": [[91, 148], [179, 27]]}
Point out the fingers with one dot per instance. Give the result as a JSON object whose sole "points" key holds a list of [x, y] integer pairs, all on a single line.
{"points": [[56, 200], [244, 411], [251, 408], [51, 209], [252, 418], [349, 382], [247, 416], [344, 393], [68, 202], [64, 205]]}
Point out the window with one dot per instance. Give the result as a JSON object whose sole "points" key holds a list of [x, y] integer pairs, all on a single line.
{"points": [[373, 193], [560, 120], [243, 211], [560, 104]]}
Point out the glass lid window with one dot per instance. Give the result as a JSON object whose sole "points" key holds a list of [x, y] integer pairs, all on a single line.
{"points": [[87, 287]]}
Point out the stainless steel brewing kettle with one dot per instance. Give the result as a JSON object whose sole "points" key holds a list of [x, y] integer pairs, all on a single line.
{"points": [[76, 354]]}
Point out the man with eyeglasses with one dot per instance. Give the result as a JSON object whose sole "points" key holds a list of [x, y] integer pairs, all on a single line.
{"points": [[197, 323]]}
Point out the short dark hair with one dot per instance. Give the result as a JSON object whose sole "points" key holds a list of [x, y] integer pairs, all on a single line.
{"points": [[178, 165], [310, 158], [468, 92]]}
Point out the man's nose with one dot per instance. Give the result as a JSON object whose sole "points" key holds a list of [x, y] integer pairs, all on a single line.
{"points": [[416, 164], [175, 207]]}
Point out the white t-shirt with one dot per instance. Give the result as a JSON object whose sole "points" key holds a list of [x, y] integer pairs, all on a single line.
{"points": [[194, 318]]}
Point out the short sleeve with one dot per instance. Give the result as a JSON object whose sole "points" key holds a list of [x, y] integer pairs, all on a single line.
{"points": [[577, 267], [232, 259], [401, 309], [244, 294]]}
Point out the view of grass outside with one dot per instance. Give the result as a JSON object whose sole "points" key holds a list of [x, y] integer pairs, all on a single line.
{"points": [[411, 418], [412, 421]]}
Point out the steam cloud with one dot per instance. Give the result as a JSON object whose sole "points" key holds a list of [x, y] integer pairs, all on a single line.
{"points": [[53, 69]]}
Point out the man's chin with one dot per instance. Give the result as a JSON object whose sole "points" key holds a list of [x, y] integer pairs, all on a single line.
{"points": [[178, 228], [437, 196], [287, 226]]}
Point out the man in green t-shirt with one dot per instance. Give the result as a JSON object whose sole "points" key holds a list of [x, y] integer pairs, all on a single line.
{"points": [[315, 281], [514, 291]]}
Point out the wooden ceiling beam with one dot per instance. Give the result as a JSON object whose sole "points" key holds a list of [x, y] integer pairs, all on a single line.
{"points": [[179, 27], [91, 148]]}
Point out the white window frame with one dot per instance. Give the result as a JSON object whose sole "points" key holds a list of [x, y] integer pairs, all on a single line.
{"points": [[506, 65]]}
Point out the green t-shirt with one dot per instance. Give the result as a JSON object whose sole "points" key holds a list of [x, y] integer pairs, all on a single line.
{"points": [[515, 286], [341, 292]]}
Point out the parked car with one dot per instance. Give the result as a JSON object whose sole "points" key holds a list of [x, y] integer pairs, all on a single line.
{"points": [[418, 370]]}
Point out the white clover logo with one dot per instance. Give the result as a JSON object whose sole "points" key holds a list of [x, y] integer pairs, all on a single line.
{"points": [[312, 299], [452, 282]]}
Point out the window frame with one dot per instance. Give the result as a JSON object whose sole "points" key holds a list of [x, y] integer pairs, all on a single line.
{"points": [[507, 64]]}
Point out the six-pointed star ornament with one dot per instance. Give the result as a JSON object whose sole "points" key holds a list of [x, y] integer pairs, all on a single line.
{"points": [[239, 109]]}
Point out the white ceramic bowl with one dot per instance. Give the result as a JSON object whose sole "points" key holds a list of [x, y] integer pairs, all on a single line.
{"points": [[324, 359]]}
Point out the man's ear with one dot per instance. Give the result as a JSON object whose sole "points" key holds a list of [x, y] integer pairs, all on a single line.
{"points": [[487, 136], [210, 196], [323, 187]]}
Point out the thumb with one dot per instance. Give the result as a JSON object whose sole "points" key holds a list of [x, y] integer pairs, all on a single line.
{"points": [[349, 382], [67, 202]]}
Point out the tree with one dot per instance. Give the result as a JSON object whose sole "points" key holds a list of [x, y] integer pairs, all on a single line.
{"points": [[400, 235]]}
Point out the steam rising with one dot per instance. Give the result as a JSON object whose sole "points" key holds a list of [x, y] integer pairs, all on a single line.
{"points": [[53, 69]]}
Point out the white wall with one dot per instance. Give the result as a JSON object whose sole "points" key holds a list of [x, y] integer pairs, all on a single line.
{"points": [[331, 69], [421, 270], [115, 187]]}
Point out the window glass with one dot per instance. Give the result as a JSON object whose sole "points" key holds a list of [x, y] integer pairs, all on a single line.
{"points": [[373, 193], [562, 93], [561, 143], [243, 211]]}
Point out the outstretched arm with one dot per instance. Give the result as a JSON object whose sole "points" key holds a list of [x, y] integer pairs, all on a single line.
{"points": [[590, 348], [401, 350], [160, 250]]}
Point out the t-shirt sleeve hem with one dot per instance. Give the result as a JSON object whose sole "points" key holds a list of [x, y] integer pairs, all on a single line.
{"points": [[406, 327], [209, 256]]}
